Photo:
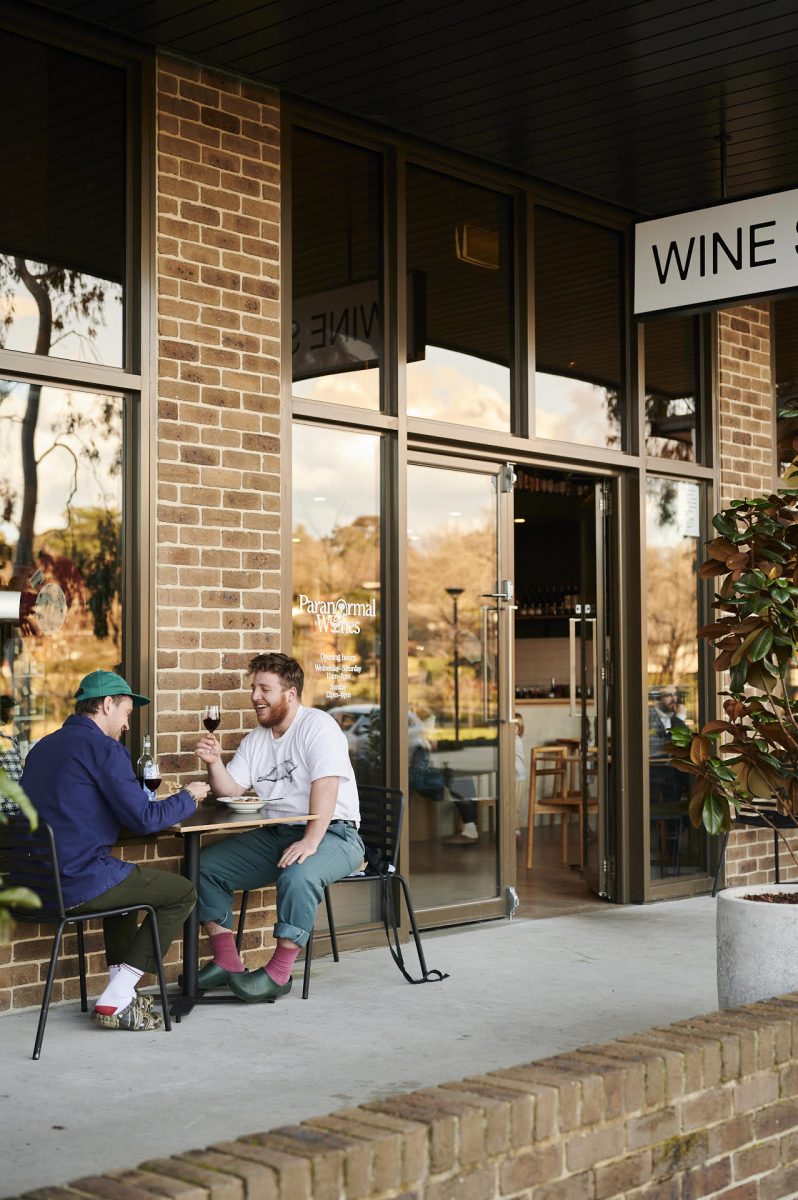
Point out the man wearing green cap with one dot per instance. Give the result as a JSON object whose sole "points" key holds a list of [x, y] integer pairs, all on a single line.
{"points": [[82, 783]]}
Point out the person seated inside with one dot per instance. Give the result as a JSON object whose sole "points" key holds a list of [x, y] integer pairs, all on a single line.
{"points": [[80, 780], [10, 757], [297, 761]]}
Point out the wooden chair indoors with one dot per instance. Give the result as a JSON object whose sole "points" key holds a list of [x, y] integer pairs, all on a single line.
{"points": [[549, 764], [574, 791]]}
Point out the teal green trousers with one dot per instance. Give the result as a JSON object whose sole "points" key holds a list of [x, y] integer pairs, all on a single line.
{"points": [[249, 861]]}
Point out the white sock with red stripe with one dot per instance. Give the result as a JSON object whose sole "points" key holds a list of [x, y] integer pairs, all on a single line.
{"points": [[120, 990]]}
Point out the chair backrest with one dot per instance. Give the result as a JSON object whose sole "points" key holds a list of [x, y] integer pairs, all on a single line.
{"points": [[28, 859], [382, 811]]}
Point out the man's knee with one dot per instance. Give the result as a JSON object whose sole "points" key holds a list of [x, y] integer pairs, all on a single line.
{"points": [[297, 880], [182, 891]]}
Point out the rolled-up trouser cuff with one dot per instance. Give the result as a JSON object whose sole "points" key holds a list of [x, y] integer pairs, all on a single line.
{"points": [[291, 933], [206, 914]]}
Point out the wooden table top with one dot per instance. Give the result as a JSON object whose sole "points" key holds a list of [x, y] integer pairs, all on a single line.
{"points": [[210, 817]]}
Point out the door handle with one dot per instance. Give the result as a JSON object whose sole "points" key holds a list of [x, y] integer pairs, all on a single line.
{"points": [[572, 662]]}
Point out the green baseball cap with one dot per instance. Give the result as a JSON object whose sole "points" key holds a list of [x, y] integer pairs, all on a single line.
{"points": [[107, 683]]}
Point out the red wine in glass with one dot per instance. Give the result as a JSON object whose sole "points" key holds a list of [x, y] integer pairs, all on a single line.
{"points": [[150, 782], [211, 718]]}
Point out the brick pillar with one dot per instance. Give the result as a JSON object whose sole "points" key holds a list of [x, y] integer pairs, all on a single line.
{"points": [[747, 466], [218, 461], [218, 206]]}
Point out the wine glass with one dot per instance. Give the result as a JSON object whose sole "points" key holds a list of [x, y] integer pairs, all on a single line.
{"points": [[211, 718], [152, 776]]}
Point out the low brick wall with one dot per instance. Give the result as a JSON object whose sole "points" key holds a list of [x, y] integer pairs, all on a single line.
{"points": [[704, 1108]]}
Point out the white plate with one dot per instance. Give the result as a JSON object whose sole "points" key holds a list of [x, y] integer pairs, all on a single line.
{"points": [[242, 804]]}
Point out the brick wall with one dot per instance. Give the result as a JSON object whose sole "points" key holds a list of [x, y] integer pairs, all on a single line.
{"points": [[218, 453], [704, 1108], [747, 467]]}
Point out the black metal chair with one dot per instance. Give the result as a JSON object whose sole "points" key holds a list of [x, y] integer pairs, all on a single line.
{"points": [[381, 817], [29, 859]]}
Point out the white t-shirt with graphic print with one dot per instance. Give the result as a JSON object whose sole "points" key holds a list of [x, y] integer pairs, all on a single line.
{"points": [[282, 769]]}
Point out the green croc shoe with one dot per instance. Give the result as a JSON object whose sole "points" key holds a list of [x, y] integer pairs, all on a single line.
{"points": [[258, 987], [212, 976]]}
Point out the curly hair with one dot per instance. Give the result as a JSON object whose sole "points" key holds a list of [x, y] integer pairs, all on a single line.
{"points": [[287, 668]]}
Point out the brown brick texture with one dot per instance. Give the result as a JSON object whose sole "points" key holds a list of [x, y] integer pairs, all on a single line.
{"points": [[704, 1108], [218, 454], [747, 468]]}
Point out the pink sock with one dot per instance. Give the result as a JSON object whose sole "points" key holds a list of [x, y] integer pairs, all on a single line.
{"points": [[224, 952], [280, 964]]}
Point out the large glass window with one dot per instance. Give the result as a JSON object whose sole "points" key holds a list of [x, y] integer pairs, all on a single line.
{"points": [[62, 204], [785, 367], [60, 547], [671, 357], [337, 271], [672, 543], [337, 609], [460, 302], [579, 393]]}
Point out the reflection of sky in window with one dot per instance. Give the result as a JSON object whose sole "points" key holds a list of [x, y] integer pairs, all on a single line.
{"points": [[681, 510], [460, 388], [448, 502], [96, 485], [335, 477], [573, 410], [357, 388]]}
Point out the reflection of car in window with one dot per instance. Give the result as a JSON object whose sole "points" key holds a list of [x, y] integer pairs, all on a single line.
{"points": [[362, 723]]}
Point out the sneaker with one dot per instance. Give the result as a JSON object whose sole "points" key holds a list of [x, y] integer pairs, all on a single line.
{"points": [[138, 1016]]}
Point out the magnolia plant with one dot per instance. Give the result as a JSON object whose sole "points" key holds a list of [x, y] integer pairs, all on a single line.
{"points": [[15, 897], [750, 757]]}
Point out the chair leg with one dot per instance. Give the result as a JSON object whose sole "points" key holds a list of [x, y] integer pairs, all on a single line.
{"points": [[720, 862], [565, 818], [242, 916], [331, 924], [412, 916], [156, 950], [84, 1002], [530, 818], [308, 961], [48, 990]]}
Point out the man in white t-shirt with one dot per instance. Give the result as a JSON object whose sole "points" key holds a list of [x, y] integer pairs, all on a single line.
{"points": [[297, 761]]}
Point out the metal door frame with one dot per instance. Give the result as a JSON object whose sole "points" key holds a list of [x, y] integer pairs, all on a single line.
{"points": [[493, 907]]}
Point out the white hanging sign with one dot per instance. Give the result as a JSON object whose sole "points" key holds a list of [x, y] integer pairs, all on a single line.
{"points": [[715, 255]]}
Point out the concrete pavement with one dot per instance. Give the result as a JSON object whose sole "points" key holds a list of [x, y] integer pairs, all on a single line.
{"points": [[517, 991]]}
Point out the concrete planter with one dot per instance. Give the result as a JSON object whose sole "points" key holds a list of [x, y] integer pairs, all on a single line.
{"points": [[757, 945]]}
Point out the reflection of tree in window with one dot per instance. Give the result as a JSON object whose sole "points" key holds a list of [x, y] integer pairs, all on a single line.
{"points": [[434, 562], [785, 361], [329, 566], [60, 535]]}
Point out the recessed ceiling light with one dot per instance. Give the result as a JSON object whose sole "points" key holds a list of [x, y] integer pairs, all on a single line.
{"points": [[519, 520], [319, 499], [455, 514]]}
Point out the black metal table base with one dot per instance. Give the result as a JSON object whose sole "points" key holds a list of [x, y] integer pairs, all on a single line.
{"points": [[182, 1005]]}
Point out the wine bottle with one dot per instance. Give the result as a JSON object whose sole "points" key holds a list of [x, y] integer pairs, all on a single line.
{"points": [[147, 771]]}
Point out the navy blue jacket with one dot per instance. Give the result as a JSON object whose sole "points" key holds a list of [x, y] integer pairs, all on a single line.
{"points": [[82, 783]]}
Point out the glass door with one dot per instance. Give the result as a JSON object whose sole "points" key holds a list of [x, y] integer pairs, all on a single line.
{"points": [[459, 687]]}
